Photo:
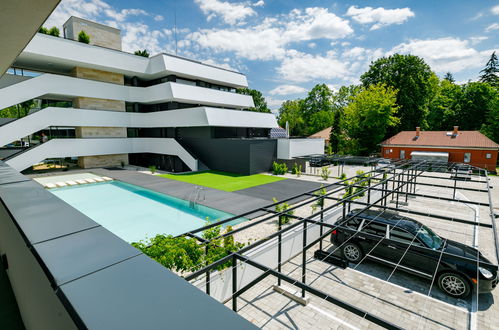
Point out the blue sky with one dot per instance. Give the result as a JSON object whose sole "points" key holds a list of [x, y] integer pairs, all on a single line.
{"points": [[285, 47]]}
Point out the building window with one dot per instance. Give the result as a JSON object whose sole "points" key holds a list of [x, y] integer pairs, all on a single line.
{"points": [[488, 155], [402, 154], [467, 157], [387, 151]]}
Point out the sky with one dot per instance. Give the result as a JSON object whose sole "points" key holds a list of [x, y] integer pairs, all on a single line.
{"points": [[285, 47]]}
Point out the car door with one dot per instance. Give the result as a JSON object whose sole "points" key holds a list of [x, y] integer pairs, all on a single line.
{"points": [[408, 251], [371, 238]]}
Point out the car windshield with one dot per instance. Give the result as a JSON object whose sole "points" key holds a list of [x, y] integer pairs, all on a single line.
{"points": [[428, 237]]}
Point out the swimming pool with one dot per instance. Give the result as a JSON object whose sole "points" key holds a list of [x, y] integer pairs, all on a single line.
{"points": [[135, 213]]}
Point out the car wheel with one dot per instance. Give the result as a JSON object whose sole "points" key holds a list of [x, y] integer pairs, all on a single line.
{"points": [[352, 252], [454, 285]]}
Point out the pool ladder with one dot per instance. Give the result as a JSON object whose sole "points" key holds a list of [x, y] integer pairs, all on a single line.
{"points": [[196, 196]]}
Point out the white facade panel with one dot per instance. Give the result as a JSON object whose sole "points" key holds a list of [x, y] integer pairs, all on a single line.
{"points": [[192, 117], [58, 148], [50, 84], [66, 53], [290, 148]]}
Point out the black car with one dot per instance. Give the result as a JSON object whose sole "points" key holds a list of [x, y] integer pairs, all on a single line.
{"points": [[385, 237]]}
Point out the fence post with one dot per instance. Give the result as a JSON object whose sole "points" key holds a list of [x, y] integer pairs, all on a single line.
{"points": [[234, 283], [207, 274], [279, 250], [304, 257]]}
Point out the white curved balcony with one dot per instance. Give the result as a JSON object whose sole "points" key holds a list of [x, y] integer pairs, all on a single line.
{"points": [[192, 117], [51, 84], [59, 148], [66, 54]]}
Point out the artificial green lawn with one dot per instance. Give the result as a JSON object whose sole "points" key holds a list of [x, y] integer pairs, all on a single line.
{"points": [[223, 180]]}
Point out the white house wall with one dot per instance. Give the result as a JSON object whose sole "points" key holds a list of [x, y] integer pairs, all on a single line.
{"points": [[290, 148], [59, 148], [45, 49], [192, 117], [50, 84]]}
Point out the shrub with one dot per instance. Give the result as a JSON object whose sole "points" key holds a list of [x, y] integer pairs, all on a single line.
{"points": [[54, 31], [279, 169], [325, 173], [43, 30], [184, 254], [343, 176], [319, 193], [143, 53], [283, 207], [296, 170], [152, 168], [83, 37]]}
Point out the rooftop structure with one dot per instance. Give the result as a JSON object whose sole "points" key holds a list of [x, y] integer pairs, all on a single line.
{"points": [[462, 146]]}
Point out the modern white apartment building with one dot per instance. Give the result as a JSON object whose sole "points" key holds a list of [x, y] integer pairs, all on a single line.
{"points": [[118, 108]]}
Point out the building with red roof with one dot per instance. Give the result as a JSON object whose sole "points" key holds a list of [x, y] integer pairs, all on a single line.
{"points": [[471, 147]]}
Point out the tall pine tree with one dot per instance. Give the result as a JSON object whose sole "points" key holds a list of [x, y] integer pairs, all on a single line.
{"points": [[490, 71]]}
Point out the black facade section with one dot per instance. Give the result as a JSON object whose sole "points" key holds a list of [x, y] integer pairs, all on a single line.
{"points": [[241, 156], [167, 163]]}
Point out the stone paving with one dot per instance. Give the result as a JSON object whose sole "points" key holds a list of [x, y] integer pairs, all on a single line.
{"points": [[405, 300]]}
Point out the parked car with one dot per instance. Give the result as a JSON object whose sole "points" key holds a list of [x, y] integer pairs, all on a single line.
{"points": [[456, 276], [384, 165]]}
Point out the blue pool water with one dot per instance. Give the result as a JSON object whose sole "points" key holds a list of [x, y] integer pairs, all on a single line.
{"points": [[135, 213]]}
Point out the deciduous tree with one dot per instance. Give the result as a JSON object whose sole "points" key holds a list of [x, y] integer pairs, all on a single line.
{"points": [[258, 99]]}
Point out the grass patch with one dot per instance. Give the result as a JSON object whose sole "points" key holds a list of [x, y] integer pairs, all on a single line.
{"points": [[223, 180]]}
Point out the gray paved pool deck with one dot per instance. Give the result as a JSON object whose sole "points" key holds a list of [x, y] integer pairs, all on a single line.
{"points": [[237, 202]]}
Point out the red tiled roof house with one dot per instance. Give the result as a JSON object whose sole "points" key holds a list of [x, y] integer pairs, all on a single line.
{"points": [[470, 147]]}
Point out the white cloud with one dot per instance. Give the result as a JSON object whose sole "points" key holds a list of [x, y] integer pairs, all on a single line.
{"points": [[158, 18], [287, 90], [260, 3], [231, 13], [269, 39], [379, 16], [477, 40], [444, 54], [495, 10], [312, 45], [273, 103], [492, 27], [302, 67], [124, 13]]}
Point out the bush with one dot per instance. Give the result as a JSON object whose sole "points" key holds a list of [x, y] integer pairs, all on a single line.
{"points": [[143, 53], [296, 170], [83, 37], [54, 31], [343, 176], [43, 30], [184, 254], [325, 173], [283, 207], [279, 169], [319, 193], [152, 168]]}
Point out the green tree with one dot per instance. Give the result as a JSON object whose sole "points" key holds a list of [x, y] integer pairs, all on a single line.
{"points": [[258, 99], [413, 79], [17, 111], [43, 30], [54, 31], [477, 100], [143, 53], [344, 96], [320, 98], [490, 71], [83, 37], [449, 77], [336, 130], [491, 126], [368, 117], [445, 106], [290, 111]]}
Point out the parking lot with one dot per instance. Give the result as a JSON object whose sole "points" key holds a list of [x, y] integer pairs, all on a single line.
{"points": [[403, 299]]}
